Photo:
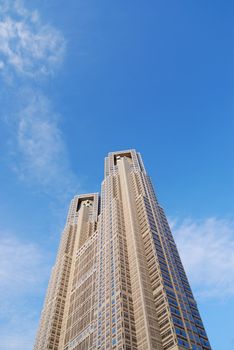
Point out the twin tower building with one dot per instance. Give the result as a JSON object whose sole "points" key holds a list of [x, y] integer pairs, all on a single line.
{"points": [[118, 281]]}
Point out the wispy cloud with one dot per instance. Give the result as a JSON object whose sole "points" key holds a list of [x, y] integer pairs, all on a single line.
{"points": [[21, 265], [27, 45], [207, 250], [31, 50], [42, 153], [23, 275]]}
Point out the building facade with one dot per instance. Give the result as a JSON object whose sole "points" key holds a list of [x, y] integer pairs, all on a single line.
{"points": [[118, 281]]}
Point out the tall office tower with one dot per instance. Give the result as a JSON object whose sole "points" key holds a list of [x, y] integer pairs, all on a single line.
{"points": [[118, 282]]}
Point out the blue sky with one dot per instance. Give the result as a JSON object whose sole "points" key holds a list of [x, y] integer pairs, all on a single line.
{"points": [[81, 79]]}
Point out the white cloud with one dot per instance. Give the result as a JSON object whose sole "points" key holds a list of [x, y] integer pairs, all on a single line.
{"points": [[19, 337], [31, 49], [27, 46], [207, 251], [42, 157], [21, 264], [24, 270]]}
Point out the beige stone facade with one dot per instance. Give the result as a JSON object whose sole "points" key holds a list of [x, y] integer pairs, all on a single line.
{"points": [[118, 281]]}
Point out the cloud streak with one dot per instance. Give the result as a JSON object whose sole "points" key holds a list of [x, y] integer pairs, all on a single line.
{"points": [[23, 275], [30, 50], [22, 265], [28, 47], [43, 154], [207, 251]]}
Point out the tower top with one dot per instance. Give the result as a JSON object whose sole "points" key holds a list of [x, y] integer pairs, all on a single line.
{"points": [[113, 157]]}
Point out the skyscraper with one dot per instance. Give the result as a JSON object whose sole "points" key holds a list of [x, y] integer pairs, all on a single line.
{"points": [[118, 281]]}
